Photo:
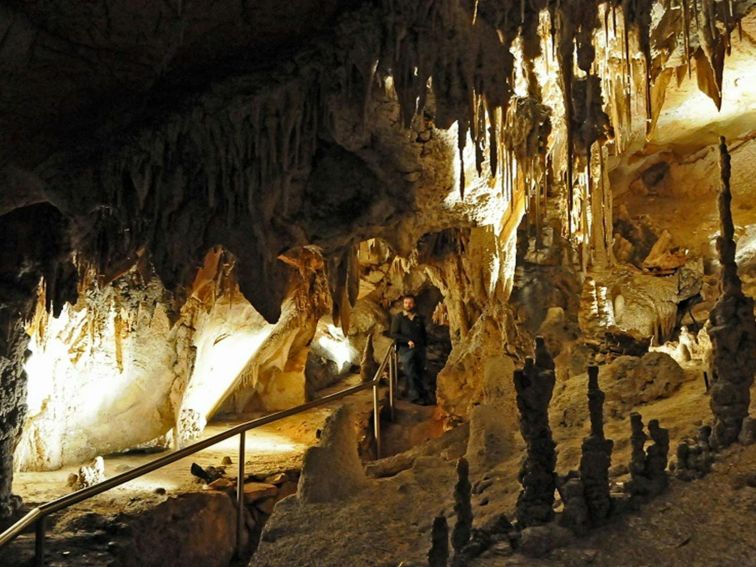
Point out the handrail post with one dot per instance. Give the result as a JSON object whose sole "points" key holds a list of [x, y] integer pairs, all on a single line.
{"points": [[39, 542], [240, 496], [395, 359], [376, 421], [392, 384]]}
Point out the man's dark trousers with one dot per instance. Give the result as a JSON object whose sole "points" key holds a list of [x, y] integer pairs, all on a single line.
{"points": [[413, 364]]}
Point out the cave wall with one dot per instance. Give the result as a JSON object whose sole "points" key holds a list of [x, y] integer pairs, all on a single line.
{"points": [[101, 374]]}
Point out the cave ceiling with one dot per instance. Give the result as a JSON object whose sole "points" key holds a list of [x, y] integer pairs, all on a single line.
{"points": [[71, 67], [164, 128]]}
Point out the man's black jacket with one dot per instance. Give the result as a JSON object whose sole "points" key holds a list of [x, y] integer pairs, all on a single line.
{"points": [[404, 329]]}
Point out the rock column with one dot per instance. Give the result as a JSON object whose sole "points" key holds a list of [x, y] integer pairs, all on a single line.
{"points": [[596, 455], [534, 385], [13, 341], [733, 329]]}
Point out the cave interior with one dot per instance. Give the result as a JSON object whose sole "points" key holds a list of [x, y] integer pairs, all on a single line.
{"points": [[235, 199]]}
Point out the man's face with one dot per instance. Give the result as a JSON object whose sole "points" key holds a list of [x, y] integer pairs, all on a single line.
{"points": [[409, 304]]}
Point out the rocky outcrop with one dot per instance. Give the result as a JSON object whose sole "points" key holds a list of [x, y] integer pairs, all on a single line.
{"points": [[194, 528], [493, 421], [35, 247], [332, 470], [627, 382]]}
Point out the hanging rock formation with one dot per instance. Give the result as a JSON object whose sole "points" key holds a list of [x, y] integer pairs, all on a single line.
{"points": [[733, 329], [158, 148]]}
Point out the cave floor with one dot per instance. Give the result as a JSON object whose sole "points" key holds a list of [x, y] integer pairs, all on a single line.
{"points": [[272, 448], [707, 522], [390, 520]]}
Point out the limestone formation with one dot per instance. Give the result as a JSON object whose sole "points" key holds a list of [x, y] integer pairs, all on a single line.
{"points": [[534, 385], [733, 328], [657, 457], [368, 365], [747, 434], [439, 551], [596, 455], [493, 422], [638, 440], [462, 508], [572, 492], [88, 475], [648, 467], [694, 456], [332, 470]]}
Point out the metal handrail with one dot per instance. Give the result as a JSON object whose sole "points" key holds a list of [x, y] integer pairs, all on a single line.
{"points": [[38, 514]]}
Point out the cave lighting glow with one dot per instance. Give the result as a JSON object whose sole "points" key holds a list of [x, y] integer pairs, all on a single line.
{"points": [[257, 441], [40, 368], [221, 357], [51, 355], [338, 348]]}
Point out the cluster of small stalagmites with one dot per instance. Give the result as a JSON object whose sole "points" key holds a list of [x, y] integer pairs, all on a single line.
{"points": [[534, 385], [732, 331], [466, 541], [648, 467], [694, 456]]}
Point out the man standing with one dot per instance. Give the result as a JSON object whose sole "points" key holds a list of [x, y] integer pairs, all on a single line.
{"points": [[408, 330]]}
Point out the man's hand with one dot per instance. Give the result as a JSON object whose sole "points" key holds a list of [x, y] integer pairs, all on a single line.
{"points": [[411, 344]]}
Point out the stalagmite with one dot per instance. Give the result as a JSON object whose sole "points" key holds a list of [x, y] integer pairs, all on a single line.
{"points": [[463, 509], [596, 455], [438, 556], [368, 365], [638, 441], [694, 456], [534, 385], [733, 329], [648, 466]]}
